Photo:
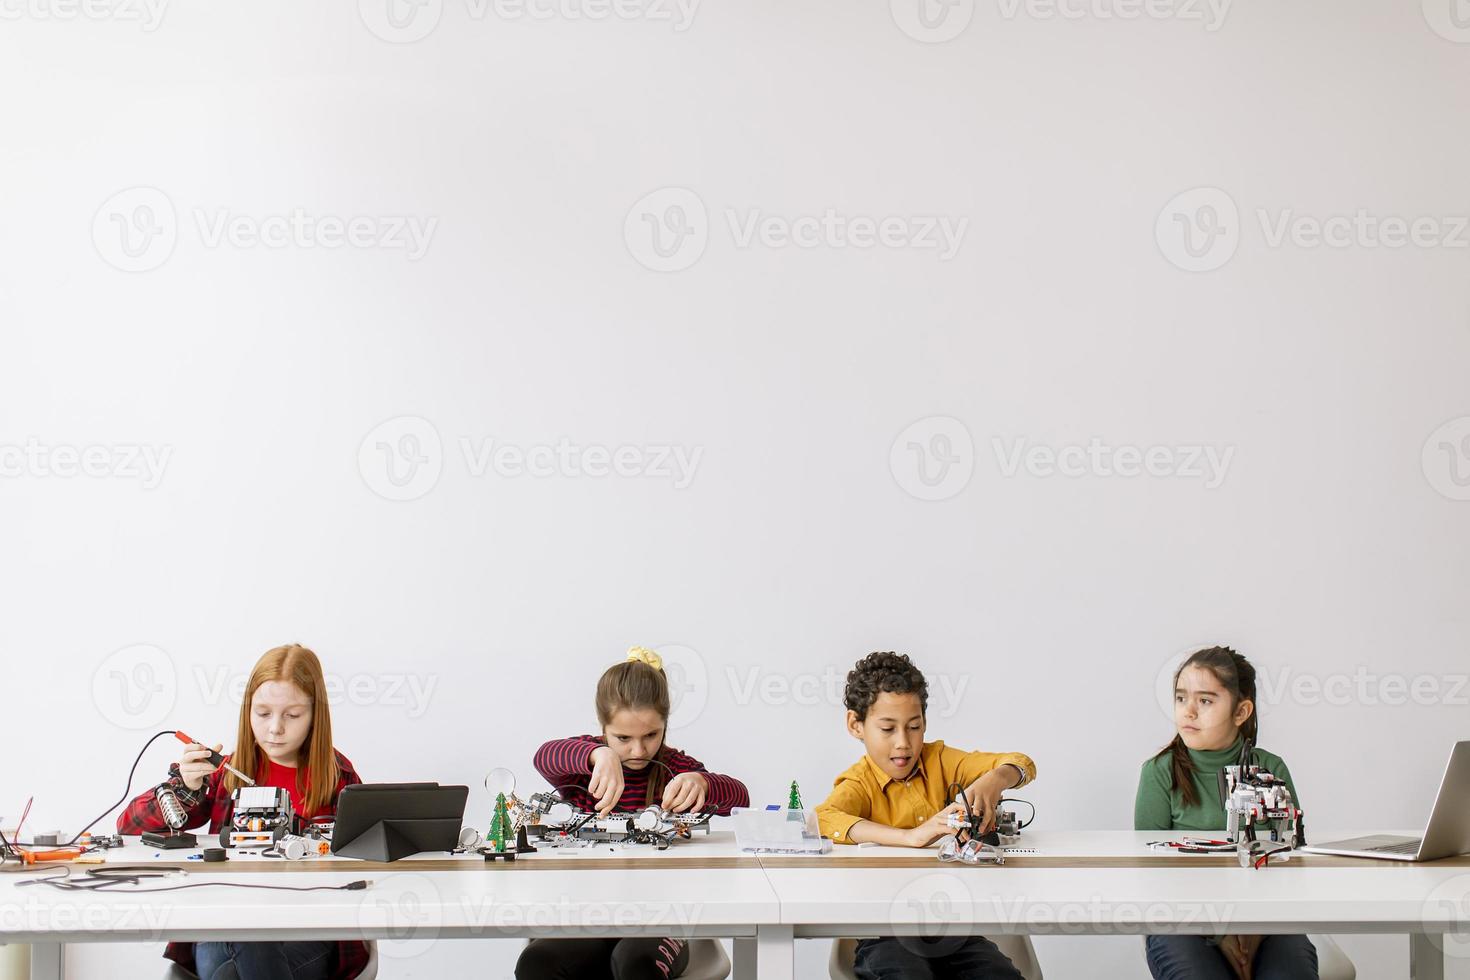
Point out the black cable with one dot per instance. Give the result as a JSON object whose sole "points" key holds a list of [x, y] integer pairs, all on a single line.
{"points": [[106, 878], [1014, 799], [7, 851], [126, 793]]}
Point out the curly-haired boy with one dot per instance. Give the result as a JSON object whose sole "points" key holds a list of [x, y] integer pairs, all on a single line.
{"points": [[898, 794]]}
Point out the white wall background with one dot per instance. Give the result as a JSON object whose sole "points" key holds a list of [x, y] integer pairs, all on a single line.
{"points": [[474, 618]]}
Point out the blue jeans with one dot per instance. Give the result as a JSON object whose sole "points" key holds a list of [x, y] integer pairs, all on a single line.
{"points": [[1192, 958], [915, 958], [310, 960]]}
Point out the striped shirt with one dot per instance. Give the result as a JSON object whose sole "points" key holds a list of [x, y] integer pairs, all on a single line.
{"points": [[566, 763]]}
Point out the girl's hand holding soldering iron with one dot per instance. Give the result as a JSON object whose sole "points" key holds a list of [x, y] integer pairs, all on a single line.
{"points": [[194, 765]]}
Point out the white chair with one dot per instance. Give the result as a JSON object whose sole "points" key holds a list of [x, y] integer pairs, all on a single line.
{"points": [[1332, 962], [369, 972], [1017, 948], [707, 961]]}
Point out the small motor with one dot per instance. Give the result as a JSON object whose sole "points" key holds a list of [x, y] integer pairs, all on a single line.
{"points": [[295, 848]]}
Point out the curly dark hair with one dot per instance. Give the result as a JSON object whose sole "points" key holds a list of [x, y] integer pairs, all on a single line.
{"points": [[879, 672]]}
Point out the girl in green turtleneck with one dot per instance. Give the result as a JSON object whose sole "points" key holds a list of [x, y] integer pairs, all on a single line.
{"points": [[1215, 713]]}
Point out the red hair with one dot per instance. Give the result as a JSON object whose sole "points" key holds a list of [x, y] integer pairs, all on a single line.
{"points": [[316, 770]]}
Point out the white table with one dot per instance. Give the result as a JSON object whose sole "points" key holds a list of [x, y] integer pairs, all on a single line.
{"points": [[1093, 883], [704, 888], [1108, 883]]}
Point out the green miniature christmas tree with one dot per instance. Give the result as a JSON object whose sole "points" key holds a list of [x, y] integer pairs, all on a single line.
{"points": [[794, 802], [499, 824]]}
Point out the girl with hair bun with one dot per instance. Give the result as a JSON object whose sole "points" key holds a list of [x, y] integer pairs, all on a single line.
{"points": [[627, 767]]}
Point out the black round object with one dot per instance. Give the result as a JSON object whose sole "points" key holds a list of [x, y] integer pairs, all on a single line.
{"points": [[215, 854]]}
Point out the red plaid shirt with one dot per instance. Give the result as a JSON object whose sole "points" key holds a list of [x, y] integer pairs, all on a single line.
{"points": [[210, 802]]}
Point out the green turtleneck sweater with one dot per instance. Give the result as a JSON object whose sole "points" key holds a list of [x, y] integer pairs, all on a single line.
{"points": [[1161, 807]]}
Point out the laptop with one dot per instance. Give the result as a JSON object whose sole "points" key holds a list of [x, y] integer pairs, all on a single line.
{"points": [[1448, 832]]}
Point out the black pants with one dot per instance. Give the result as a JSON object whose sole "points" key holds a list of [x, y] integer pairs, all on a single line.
{"points": [[602, 959], [914, 958]]}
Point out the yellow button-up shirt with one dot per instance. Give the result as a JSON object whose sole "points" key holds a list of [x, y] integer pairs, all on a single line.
{"points": [[866, 792]]}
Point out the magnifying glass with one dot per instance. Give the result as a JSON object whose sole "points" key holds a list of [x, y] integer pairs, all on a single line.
{"points": [[499, 781]]}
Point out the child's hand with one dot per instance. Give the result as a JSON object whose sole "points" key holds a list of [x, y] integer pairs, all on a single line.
{"points": [[934, 828], [607, 779], [984, 796], [1240, 953], [194, 765], [686, 792]]}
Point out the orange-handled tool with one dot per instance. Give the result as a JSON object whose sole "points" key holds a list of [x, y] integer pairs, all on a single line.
{"points": [[55, 854], [215, 759]]}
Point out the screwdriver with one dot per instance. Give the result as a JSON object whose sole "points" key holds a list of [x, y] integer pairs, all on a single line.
{"points": [[215, 759]]}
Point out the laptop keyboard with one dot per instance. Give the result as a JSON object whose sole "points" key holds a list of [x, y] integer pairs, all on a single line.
{"points": [[1407, 847]]}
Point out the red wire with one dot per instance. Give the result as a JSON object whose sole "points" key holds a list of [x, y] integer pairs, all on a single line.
{"points": [[24, 813]]}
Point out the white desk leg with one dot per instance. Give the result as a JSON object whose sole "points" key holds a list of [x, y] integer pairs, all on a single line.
{"points": [[771, 955], [47, 960], [1426, 957]]}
